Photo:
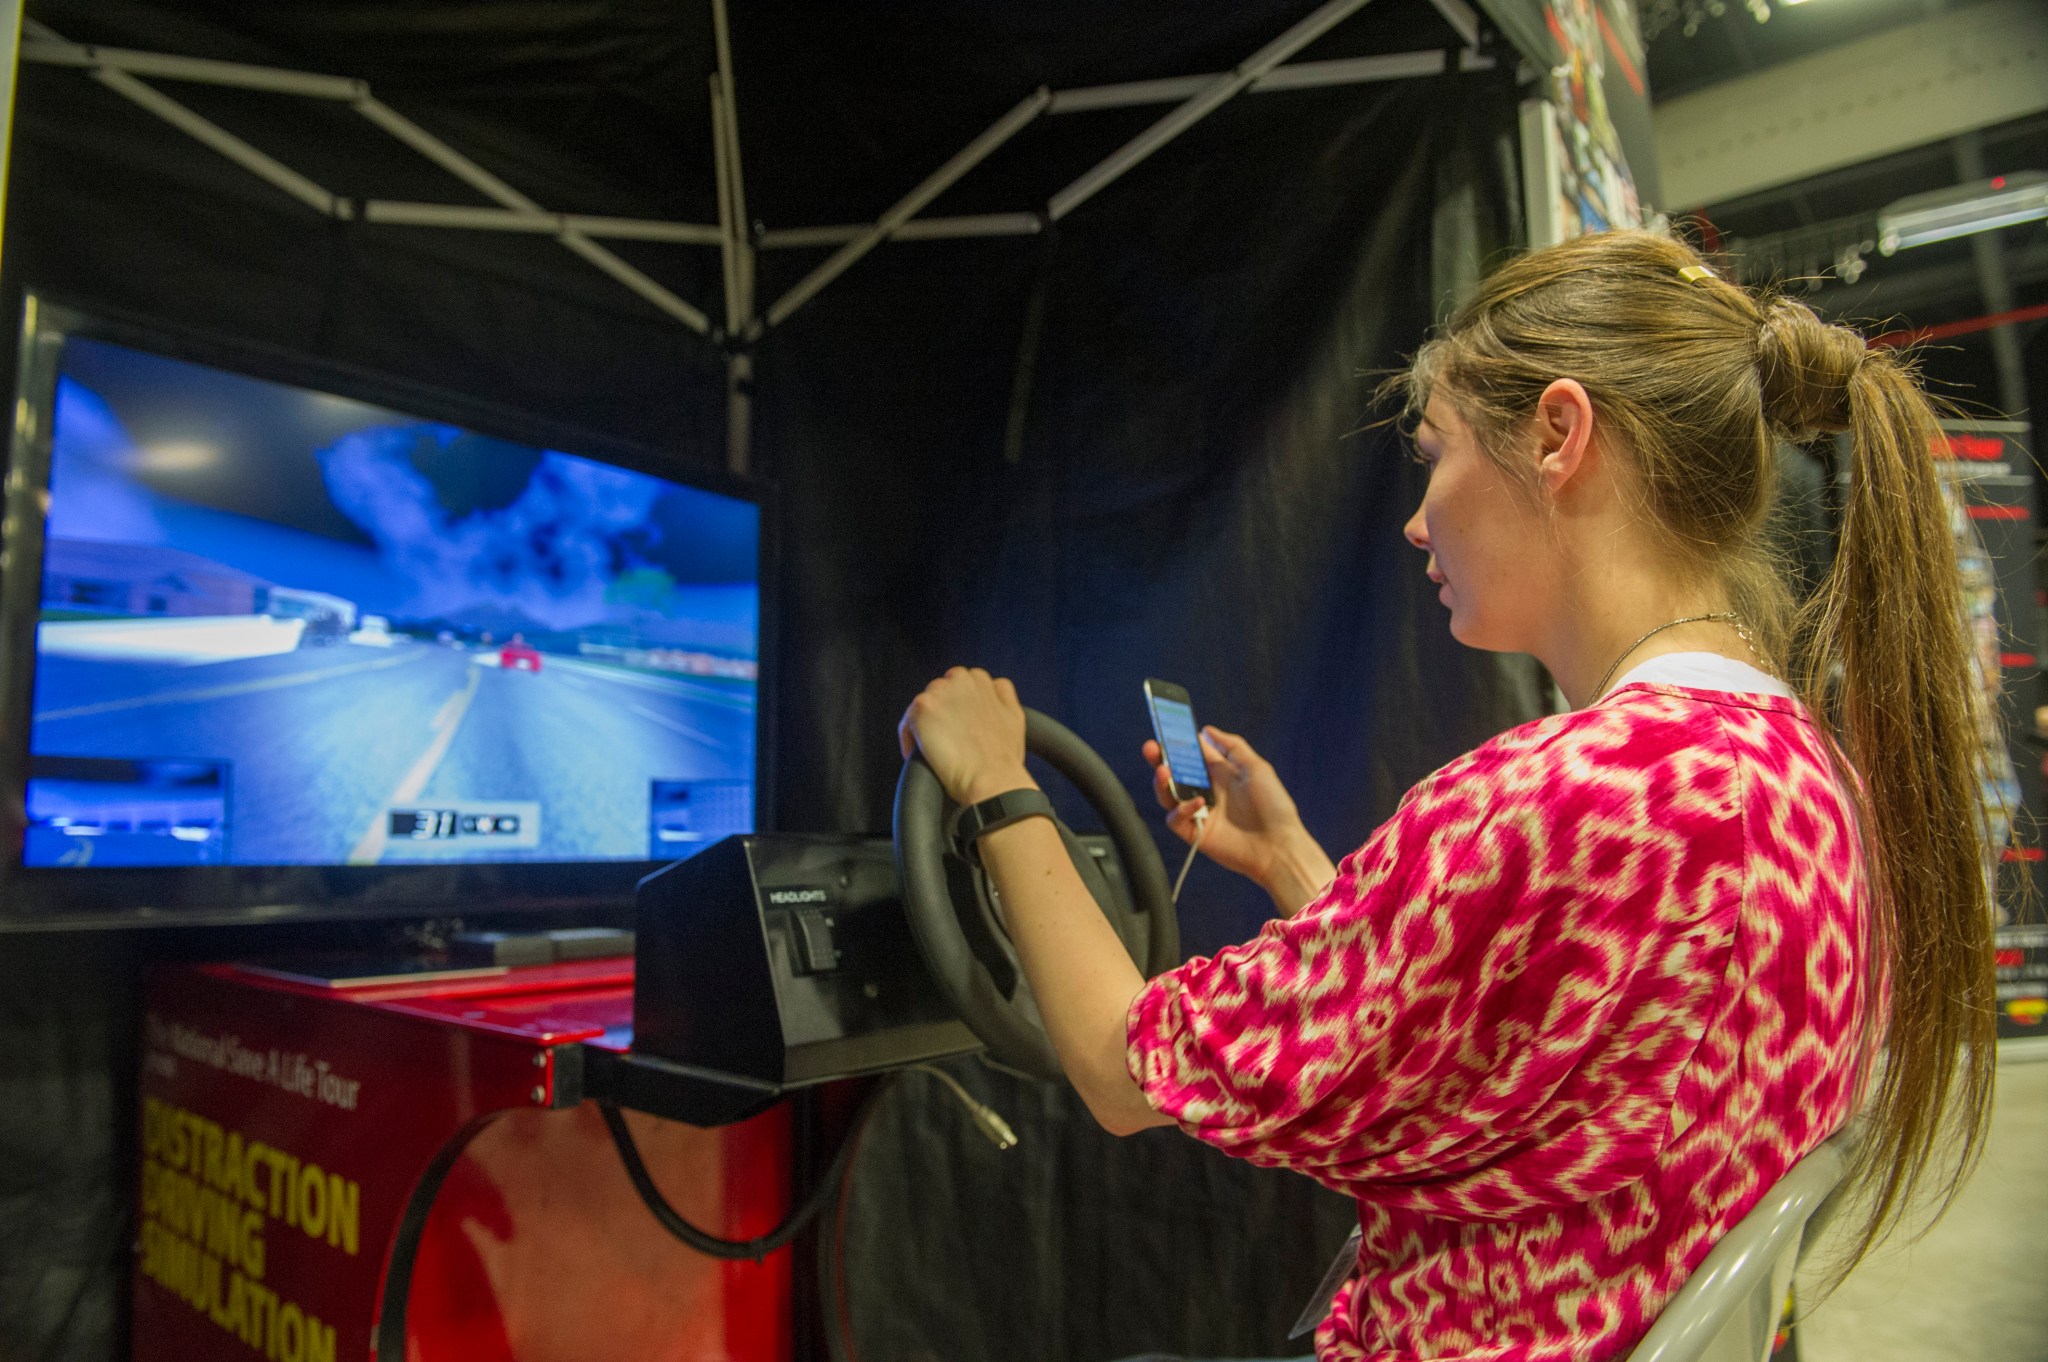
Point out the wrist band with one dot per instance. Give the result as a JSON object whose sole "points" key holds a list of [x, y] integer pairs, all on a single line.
{"points": [[1011, 806]]}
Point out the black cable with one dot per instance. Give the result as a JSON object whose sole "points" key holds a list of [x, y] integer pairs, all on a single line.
{"points": [[710, 1244]]}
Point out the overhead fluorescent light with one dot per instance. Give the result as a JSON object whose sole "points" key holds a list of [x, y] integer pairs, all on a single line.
{"points": [[1946, 213]]}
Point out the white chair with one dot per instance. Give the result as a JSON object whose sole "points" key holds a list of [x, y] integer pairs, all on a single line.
{"points": [[1728, 1310]]}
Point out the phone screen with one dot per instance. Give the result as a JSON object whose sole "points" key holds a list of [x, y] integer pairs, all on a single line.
{"points": [[1174, 721]]}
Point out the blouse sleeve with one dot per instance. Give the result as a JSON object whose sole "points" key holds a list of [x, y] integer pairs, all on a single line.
{"points": [[1490, 1009]]}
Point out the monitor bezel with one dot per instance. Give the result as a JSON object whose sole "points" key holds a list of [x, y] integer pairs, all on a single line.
{"points": [[53, 898]]}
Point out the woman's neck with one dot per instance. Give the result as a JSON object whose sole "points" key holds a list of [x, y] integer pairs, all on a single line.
{"points": [[1612, 629]]}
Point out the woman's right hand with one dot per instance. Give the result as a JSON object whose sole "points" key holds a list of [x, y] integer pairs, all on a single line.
{"points": [[1254, 827]]}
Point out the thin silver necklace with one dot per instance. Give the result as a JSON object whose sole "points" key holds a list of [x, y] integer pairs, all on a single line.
{"points": [[1728, 616]]}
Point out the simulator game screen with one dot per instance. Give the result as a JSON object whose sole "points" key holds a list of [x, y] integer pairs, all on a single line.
{"points": [[280, 627]]}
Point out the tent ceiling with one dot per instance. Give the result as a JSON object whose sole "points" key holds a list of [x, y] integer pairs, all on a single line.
{"points": [[604, 107]]}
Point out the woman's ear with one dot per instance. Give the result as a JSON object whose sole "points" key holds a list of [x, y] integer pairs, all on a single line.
{"points": [[1564, 433]]}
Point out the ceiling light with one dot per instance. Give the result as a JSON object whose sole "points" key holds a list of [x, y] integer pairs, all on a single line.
{"points": [[1966, 208]]}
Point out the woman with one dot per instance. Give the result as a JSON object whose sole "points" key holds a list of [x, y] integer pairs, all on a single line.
{"points": [[1598, 984]]}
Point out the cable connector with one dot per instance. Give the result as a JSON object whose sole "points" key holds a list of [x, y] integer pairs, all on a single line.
{"points": [[986, 1119], [1201, 830]]}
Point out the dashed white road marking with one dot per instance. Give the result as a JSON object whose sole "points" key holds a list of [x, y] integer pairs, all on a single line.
{"points": [[370, 848]]}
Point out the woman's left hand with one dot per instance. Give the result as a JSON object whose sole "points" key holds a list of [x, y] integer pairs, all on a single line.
{"points": [[970, 727]]}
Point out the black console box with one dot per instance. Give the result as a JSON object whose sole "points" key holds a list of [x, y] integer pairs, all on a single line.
{"points": [[784, 960]]}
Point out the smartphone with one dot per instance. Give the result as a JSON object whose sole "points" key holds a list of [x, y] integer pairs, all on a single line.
{"points": [[1173, 723]]}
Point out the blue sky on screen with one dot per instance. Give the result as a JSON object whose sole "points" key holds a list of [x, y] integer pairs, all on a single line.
{"points": [[414, 520]]}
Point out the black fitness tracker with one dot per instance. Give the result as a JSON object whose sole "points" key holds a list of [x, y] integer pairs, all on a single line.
{"points": [[1009, 807]]}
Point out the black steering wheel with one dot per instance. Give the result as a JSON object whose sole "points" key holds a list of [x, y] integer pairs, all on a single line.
{"points": [[953, 914]]}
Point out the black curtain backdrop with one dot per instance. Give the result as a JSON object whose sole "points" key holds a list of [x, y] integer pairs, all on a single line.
{"points": [[1201, 492], [1140, 445]]}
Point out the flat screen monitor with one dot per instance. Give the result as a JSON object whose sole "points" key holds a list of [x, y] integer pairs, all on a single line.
{"points": [[276, 647]]}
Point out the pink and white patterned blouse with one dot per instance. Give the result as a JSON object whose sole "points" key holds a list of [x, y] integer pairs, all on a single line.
{"points": [[1557, 1026]]}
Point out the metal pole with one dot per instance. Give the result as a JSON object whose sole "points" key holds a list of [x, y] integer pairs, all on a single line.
{"points": [[1131, 93], [1200, 106], [935, 184], [260, 164], [1317, 75], [400, 213], [917, 229], [198, 70], [491, 187], [633, 279], [441, 154], [739, 411], [738, 251], [642, 229], [728, 223], [736, 180], [257, 163], [739, 365], [1306, 75]]}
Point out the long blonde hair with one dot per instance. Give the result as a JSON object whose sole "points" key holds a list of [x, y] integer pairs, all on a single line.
{"points": [[1698, 378]]}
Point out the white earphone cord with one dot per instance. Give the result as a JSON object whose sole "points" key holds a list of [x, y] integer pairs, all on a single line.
{"points": [[1201, 828]]}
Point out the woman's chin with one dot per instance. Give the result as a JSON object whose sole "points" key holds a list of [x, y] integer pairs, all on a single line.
{"points": [[1472, 634]]}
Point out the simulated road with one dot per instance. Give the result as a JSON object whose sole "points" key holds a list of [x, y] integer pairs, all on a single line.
{"points": [[324, 740]]}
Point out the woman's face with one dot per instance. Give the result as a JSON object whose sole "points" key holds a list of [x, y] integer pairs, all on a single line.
{"points": [[1493, 562]]}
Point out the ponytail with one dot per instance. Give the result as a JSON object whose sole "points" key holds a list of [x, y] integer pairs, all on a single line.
{"points": [[1883, 651]]}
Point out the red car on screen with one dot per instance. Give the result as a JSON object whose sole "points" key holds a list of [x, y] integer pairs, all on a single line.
{"points": [[519, 656]]}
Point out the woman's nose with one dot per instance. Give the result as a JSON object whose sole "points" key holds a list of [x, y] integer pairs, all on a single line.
{"points": [[1416, 531]]}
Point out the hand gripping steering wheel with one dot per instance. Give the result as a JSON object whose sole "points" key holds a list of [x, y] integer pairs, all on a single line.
{"points": [[952, 909]]}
